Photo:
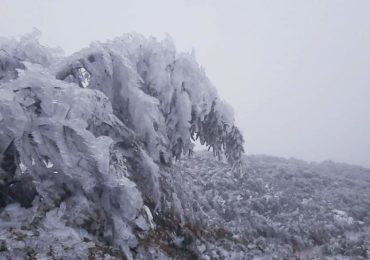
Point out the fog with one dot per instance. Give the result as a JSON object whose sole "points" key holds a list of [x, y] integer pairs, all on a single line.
{"points": [[296, 72]]}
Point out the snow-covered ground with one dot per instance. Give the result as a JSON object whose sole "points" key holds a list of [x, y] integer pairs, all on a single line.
{"points": [[279, 208], [275, 209]]}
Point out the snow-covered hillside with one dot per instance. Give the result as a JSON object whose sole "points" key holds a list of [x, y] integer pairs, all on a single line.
{"points": [[93, 165], [276, 209]]}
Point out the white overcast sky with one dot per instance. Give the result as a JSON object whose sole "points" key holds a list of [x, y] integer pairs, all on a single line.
{"points": [[297, 72]]}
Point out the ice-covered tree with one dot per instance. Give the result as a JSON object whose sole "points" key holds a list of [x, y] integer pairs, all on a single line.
{"points": [[91, 132], [165, 97]]}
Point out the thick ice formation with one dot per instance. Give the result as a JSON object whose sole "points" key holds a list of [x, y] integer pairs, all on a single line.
{"points": [[85, 141]]}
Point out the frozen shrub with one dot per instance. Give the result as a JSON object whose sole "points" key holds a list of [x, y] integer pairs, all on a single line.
{"points": [[163, 96], [84, 139]]}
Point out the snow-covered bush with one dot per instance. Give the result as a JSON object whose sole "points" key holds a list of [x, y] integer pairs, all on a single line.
{"points": [[89, 135], [163, 96]]}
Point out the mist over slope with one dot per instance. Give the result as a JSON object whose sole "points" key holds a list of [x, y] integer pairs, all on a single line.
{"points": [[93, 165]]}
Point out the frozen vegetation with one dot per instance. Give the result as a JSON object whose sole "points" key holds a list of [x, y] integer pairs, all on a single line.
{"points": [[97, 162], [277, 208]]}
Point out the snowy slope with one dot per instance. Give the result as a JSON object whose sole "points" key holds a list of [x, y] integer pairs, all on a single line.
{"points": [[276, 209], [89, 169], [280, 208]]}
